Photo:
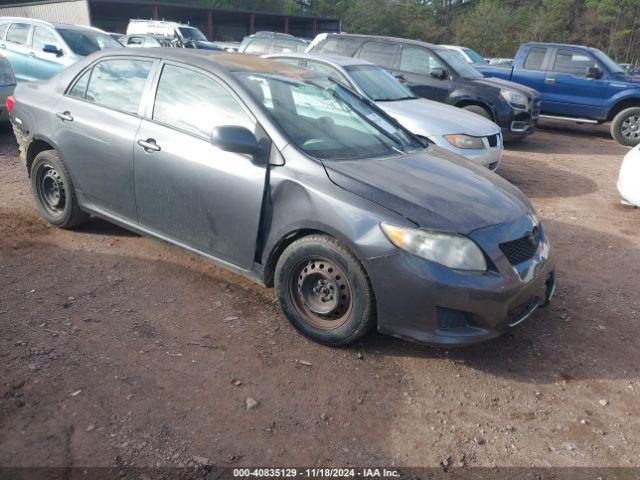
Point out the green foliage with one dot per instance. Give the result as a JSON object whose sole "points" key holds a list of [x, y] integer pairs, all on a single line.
{"points": [[492, 27]]}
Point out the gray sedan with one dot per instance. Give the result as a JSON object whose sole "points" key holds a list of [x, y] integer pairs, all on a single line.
{"points": [[459, 131], [291, 179]]}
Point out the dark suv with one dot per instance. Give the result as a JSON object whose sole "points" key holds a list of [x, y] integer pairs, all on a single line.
{"points": [[440, 74]]}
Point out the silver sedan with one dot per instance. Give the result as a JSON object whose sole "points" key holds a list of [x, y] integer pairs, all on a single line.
{"points": [[454, 129]]}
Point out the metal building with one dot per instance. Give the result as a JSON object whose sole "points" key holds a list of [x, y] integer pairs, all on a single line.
{"points": [[216, 23]]}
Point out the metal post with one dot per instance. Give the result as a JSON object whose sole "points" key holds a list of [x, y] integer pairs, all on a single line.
{"points": [[315, 26], [252, 24], [210, 25], [155, 12], [286, 24]]}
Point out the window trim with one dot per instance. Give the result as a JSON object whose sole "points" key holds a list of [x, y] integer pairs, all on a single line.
{"points": [[150, 100], [141, 104]]}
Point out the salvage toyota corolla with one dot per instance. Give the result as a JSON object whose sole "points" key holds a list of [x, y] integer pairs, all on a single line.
{"points": [[291, 179]]}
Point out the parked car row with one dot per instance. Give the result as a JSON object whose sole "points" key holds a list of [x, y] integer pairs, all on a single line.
{"points": [[438, 73]]}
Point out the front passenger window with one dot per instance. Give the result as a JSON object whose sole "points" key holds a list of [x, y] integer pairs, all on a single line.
{"points": [[196, 103], [418, 60], [18, 33], [43, 36], [118, 84]]}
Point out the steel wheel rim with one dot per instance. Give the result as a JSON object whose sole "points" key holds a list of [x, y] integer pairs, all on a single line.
{"points": [[51, 190], [321, 292], [631, 127]]}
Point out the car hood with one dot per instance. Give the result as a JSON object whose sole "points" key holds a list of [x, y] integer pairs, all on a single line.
{"points": [[433, 188], [500, 83], [432, 119], [201, 44]]}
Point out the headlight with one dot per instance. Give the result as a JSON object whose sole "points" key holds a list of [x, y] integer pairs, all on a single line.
{"points": [[516, 99], [465, 141], [450, 250]]}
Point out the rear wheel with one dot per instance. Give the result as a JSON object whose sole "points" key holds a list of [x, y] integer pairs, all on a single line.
{"points": [[478, 110], [324, 291], [53, 190], [625, 128]]}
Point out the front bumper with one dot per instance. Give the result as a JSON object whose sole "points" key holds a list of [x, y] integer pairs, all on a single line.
{"points": [[490, 156], [425, 302], [521, 122]]}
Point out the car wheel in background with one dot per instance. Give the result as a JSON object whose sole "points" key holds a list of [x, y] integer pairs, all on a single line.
{"points": [[324, 291], [478, 110], [53, 190], [625, 128]]}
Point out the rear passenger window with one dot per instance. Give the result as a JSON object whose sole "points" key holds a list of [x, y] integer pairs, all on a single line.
{"points": [[259, 46], [118, 84], [80, 87], [535, 58], [572, 62], [196, 103], [418, 60], [383, 54], [18, 33], [3, 30]]}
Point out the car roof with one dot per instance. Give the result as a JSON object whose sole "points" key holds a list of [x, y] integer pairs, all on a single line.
{"points": [[389, 39], [35, 21], [214, 61], [548, 44], [336, 60]]}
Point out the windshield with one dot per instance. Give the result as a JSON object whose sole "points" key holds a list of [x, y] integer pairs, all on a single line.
{"points": [[86, 42], [609, 64], [326, 120], [455, 61], [378, 84], [473, 55], [190, 33]]}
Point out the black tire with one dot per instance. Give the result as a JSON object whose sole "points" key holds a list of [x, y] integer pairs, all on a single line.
{"points": [[322, 262], [54, 193], [625, 128], [478, 110]]}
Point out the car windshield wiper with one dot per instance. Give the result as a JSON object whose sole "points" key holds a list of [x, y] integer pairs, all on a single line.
{"points": [[396, 99]]}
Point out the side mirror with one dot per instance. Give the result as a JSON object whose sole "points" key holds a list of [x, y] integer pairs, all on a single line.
{"points": [[235, 139], [594, 72], [48, 48], [401, 78], [438, 72]]}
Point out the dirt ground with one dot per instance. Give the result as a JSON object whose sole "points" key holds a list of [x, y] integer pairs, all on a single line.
{"points": [[118, 350]]}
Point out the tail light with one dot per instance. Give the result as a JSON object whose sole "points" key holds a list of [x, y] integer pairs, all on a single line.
{"points": [[11, 101]]}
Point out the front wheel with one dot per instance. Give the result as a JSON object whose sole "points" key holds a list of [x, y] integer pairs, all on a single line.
{"points": [[53, 190], [625, 128], [324, 291], [478, 110]]}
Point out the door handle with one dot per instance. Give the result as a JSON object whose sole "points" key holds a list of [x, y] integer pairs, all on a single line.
{"points": [[550, 80], [32, 54], [149, 145], [64, 116], [3, 46]]}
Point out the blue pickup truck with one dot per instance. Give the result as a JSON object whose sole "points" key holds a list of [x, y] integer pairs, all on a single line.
{"points": [[579, 84]]}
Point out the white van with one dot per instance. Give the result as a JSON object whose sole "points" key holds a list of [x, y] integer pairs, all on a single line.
{"points": [[181, 35]]}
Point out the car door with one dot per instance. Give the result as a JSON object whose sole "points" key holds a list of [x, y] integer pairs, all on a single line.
{"points": [[415, 71], [99, 118], [187, 189], [40, 64], [567, 89], [16, 49]]}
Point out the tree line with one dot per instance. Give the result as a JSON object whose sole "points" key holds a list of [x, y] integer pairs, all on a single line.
{"points": [[495, 28]]}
